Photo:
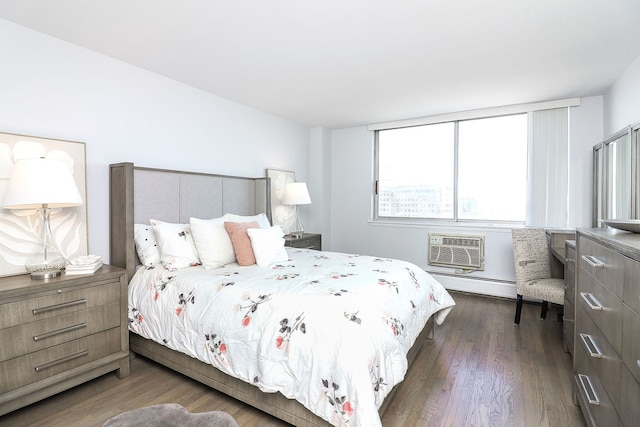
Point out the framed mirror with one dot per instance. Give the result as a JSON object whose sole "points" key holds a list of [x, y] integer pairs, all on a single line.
{"points": [[618, 178]]}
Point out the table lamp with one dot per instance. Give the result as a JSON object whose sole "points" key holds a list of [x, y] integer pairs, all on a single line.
{"points": [[42, 184], [296, 193]]}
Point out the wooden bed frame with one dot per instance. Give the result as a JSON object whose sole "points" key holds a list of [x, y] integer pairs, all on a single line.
{"points": [[136, 195]]}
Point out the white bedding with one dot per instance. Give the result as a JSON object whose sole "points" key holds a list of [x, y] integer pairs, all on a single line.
{"points": [[330, 330]]}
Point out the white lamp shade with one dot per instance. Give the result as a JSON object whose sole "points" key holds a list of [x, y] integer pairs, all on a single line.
{"points": [[37, 182], [295, 193]]}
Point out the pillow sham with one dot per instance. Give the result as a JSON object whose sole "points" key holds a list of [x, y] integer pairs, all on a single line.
{"points": [[268, 245], [177, 248], [212, 241], [146, 245], [260, 218], [240, 240]]}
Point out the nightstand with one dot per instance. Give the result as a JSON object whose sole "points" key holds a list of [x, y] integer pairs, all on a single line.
{"points": [[60, 332], [307, 241]]}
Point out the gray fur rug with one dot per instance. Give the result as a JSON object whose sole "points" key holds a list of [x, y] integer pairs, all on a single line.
{"points": [[170, 415]]}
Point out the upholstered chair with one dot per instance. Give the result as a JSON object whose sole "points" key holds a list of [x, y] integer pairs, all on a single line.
{"points": [[533, 270]]}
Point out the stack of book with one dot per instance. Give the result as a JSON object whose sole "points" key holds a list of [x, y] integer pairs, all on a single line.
{"points": [[87, 264]]}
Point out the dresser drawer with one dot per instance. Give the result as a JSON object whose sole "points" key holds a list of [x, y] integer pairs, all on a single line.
{"points": [[592, 345], [631, 341], [596, 406], [23, 339], [629, 406], [569, 292], [56, 303], [603, 307], [27, 369], [568, 326], [631, 295], [570, 255], [603, 264]]}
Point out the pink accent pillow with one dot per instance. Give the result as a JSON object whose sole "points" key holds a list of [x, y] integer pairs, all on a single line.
{"points": [[240, 240]]}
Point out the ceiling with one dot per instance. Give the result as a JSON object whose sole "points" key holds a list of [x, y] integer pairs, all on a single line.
{"points": [[343, 63]]}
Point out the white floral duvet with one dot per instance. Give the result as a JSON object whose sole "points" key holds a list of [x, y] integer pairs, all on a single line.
{"points": [[330, 330]]}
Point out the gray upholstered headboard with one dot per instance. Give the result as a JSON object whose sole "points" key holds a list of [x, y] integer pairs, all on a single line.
{"points": [[138, 194]]}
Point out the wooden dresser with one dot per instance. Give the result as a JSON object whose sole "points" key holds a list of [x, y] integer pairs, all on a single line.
{"points": [[607, 327], [60, 332]]}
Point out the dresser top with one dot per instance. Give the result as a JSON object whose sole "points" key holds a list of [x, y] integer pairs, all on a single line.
{"points": [[625, 242]]}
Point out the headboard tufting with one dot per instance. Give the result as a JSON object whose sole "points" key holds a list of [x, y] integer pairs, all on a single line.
{"points": [[137, 194]]}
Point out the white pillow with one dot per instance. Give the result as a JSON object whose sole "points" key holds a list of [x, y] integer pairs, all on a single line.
{"points": [[212, 241], [146, 245], [261, 219], [268, 245], [177, 249]]}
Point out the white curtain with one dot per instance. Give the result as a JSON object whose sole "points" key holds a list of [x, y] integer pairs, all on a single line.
{"points": [[548, 168]]}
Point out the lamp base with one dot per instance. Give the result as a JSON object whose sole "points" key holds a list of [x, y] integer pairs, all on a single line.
{"points": [[50, 262], [45, 274], [44, 269]]}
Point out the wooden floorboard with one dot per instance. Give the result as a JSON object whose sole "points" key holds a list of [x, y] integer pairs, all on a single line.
{"points": [[480, 370]]}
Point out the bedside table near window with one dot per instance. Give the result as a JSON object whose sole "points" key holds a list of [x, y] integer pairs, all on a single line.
{"points": [[307, 241]]}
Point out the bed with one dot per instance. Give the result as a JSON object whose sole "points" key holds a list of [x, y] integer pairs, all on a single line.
{"points": [[209, 321]]}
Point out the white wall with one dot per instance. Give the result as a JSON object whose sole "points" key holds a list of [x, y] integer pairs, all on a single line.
{"points": [[318, 218], [585, 130], [352, 152], [53, 89], [622, 100]]}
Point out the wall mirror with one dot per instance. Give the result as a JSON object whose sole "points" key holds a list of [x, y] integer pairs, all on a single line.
{"points": [[615, 178]]}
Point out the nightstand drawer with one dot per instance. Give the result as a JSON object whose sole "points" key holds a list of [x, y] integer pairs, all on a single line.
{"points": [[29, 337], [63, 301], [307, 241], [20, 371]]}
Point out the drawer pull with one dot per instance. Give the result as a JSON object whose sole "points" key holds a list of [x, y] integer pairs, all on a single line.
{"points": [[595, 352], [593, 261], [591, 301], [59, 331], [58, 306], [61, 360], [594, 400]]}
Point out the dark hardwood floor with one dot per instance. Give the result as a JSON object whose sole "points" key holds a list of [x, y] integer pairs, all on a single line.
{"points": [[480, 370]]}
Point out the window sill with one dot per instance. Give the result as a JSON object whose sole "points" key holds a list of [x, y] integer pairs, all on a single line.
{"points": [[505, 226]]}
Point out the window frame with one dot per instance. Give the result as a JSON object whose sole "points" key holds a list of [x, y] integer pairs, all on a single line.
{"points": [[455, 220]]}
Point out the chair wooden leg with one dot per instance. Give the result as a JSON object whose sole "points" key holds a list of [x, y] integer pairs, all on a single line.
{"points": [[518, 309], [543, 314]]}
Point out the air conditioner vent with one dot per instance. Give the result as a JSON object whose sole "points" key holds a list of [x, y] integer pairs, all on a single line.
{"points": [[457, 251]]}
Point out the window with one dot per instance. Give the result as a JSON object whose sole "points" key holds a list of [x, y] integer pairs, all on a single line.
{"points": [[465, 170]]}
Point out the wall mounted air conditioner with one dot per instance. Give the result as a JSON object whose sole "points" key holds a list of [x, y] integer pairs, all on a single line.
{"points": [[463, 251]]}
